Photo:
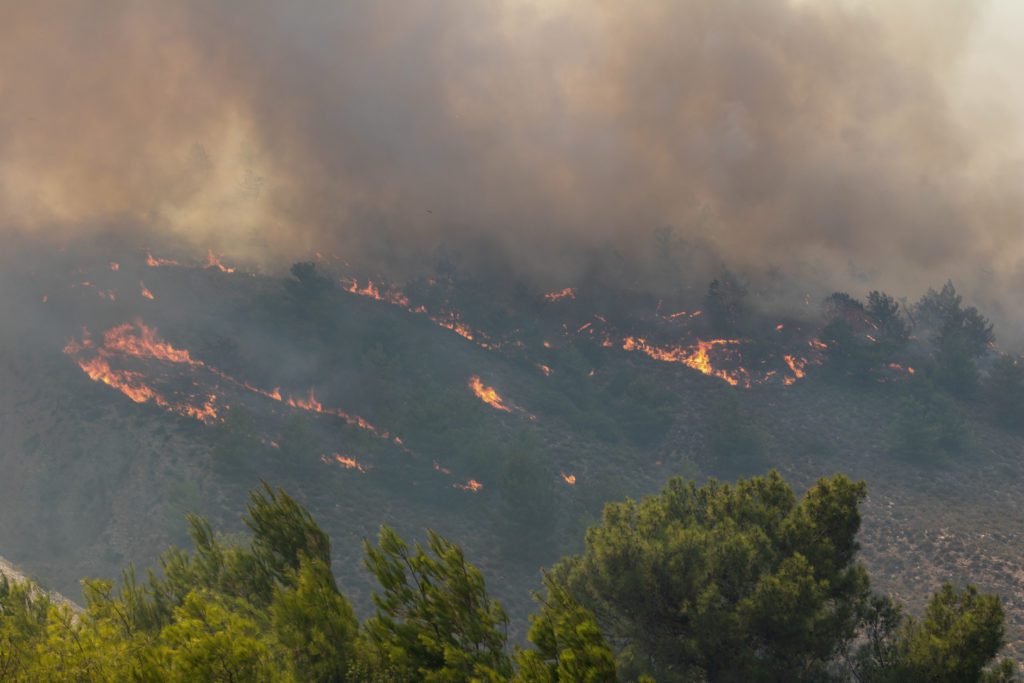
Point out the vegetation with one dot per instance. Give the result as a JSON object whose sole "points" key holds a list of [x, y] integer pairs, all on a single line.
{"points": [[717, 583]]}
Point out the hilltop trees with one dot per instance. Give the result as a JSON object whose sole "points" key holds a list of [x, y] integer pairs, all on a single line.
{"points": [[959, 336], [726, 582], [722, 582]]}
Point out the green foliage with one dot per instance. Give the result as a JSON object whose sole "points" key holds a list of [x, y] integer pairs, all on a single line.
{"points": [[892, 331], [927, 427], [959, 336], [960, 633], [315, 624], [434, 620], [957, 640], [717, 583], [569, 647], [1004, 392], [726, 582]]}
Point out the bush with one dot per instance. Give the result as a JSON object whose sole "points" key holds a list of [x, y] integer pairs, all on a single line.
{"points": [[927, 427]]}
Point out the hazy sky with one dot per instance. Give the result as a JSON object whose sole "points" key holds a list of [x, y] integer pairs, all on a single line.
{"points": [[876, 137]]}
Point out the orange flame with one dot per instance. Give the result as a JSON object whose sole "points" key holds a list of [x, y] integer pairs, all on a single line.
{"points": [[471, 485], [545, 369], [213, 262], [569, 479], [696, 357], [145, 291], [347, 462], [488, 394], [796, 365], [158, 262]]}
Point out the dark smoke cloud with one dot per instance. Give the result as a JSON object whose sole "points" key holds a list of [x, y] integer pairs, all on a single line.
{"points": [[817, 135]]}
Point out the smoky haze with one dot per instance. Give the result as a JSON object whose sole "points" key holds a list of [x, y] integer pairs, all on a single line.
{"points": [[821, 137]]}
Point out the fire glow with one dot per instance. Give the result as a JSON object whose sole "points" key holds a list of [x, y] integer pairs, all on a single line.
{"points": [[696, 356], [567, 293], [488, 395]]}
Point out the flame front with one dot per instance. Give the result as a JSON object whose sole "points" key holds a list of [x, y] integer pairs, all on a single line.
{"points": [[471, 485], [145, 291], [696, 357], [487, 394], [569, 479]]}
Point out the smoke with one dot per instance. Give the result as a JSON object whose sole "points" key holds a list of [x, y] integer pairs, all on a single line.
{"points": [[844, 139]]}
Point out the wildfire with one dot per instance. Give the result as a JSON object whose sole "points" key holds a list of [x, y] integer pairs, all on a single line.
{"points": [[899, 368], [696, 357], [488, 394], [158, 262], [131, 383], [545, 369], [442, 470], [144, 291], [796, 366], [213, 262], [471, 485], [567, 293], [347, 462], [115, 266], [138, 340], [390, 295], [569, 479]]}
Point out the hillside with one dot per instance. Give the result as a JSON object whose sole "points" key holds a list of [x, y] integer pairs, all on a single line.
{"points": [[500, 415]]}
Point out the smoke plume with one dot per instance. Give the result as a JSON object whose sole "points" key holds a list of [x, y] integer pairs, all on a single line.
{"points": [[846, 139]]}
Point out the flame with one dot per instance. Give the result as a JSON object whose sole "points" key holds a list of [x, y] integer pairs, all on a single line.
{"points": [[442, 470], [470, 485], [108, 294], [390, 295], [115, 266], [545, 369], [158, 262], [817, 344], [567, 293], [138, 340], [796, 365], [145, 291], [347, 462], [570, 479], [696, 357], [131, 383], [213, 262], [779, 327], [488, 394], [899, 368]]}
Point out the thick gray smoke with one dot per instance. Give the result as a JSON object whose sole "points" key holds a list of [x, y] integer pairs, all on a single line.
{"points": [[822, 136]]}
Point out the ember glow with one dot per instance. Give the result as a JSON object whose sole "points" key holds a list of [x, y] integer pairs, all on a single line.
{"points": [[471, 485], [569, 479], [144, 291], [796, 366], [488, 394], [213, 262], [153, 262], [346, 462], [115, 266], [567, 293]]}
